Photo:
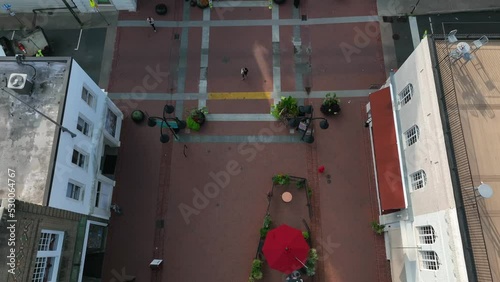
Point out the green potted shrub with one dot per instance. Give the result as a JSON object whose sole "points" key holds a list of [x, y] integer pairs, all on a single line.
{"points": [[301, 183], [305, 234], [281, 179], [265, 226], [256, 270], [286, 108], [311, 261], [331, 105], [196, 118], [137, 116], [378, 228]]}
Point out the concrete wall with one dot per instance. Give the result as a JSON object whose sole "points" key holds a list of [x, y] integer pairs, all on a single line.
{"points": [[406, 7], [448, 246], [27, 6], [92, 146]]}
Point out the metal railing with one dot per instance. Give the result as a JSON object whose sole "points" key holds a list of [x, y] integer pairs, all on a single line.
{"points": [[468, 211]]}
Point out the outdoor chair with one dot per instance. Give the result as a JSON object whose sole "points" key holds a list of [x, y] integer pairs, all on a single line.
{"points": [[480, 43], [451, 36], [455, 55], [467, 57]]}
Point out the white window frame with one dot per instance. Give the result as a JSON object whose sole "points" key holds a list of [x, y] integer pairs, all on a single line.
{"points": [[43, 256], [86, 122], [108, 112], [86, 93], [405, 95], [429, 260], [98, 192], [79, 158], [76, 192], [426, 235], [418, 180], [412, 135]]}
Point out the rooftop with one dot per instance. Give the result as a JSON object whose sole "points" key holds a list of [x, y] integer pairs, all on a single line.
{"points": [[30, 139], [477, 92]]}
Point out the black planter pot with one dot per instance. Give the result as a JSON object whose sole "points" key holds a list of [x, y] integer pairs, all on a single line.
{"points": [[137, 116], [334, 109], [200, 5], [279, 2], [161, 9]]}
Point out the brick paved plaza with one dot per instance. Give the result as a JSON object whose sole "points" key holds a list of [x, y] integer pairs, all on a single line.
{"points": [[194, 60]]}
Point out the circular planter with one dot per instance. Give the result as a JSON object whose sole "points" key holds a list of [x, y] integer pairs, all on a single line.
{"points": [[161, 9], [137, 116], [202, 4], [279, 2], [334, 109]]}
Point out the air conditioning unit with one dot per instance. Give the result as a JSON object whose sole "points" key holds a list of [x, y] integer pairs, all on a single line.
{"points": [[20, 83]]}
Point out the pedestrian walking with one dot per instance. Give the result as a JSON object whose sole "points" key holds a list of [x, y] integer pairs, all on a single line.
{"points": [[151, 21], [244, 73]]}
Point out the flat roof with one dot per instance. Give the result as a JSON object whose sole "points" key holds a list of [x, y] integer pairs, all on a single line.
{"points": [[385, 145], [28, 139], [477, 88]]}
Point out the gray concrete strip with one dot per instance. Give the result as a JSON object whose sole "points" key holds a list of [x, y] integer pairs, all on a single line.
{"points": [[239, 139], [240, 117], [276, 51], [107, 57], [229, 23], [205, 40], [239, 4], [297, 45], [388, 48], [197, 96], [415, 34], [181, 73]]}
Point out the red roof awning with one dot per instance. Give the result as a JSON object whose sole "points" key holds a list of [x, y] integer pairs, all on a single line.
{"points": [[386, 152]]}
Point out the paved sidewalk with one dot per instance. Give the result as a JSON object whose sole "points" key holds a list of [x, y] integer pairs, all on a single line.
{"points": [[193, 216]]}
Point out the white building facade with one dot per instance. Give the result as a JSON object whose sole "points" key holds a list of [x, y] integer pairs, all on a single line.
{"points": [[78, 184], [423, 237]]}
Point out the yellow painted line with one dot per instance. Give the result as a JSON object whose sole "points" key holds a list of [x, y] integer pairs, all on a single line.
{"points": [[239, 95]]}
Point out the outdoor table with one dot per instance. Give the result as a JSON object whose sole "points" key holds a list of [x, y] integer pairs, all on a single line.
{"points": [[286, 197], [463, 47]]}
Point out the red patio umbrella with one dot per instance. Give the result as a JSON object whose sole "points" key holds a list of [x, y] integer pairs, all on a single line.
{"points": [[285, 249]]}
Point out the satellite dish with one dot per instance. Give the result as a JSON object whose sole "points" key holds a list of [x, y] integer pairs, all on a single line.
{"points": [[485, 190]]}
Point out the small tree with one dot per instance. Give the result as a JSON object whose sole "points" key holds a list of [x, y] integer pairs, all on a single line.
{"points": [[378, 228]]}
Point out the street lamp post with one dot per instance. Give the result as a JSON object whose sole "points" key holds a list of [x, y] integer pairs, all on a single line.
{"points": [[304, 123], [174, 124]]}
